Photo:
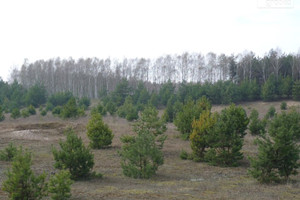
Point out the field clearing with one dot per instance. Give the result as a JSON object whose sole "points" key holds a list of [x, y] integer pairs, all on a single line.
{"points": [[175, 179]]}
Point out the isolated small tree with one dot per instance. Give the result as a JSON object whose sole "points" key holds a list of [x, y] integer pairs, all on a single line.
{"points": [[9, 152], [283, 105], [15, 113], [44, 112], [256, 125], [21, 182], [25, 113], [263, 166], [31, 110], [74, 156], [99, 133], [277, 157], [201, 129], [271, 112], [70, 110], [60, 185], [141, 156]]}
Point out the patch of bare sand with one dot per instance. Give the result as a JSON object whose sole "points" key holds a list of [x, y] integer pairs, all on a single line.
{"points": [[27, 135]]}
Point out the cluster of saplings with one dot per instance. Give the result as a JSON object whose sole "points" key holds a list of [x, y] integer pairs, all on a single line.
{"points": [[141, 155], [217, 138], [61, 104]]}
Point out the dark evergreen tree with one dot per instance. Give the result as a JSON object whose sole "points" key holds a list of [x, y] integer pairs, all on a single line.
{"points": [[99, 133], [121, 92], [74, 156], [278, 156], [36, 95], [226, 138], [269, 90], [257, 126], [21, 182]]}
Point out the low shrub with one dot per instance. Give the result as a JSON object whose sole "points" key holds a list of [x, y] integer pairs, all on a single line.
{"points": [[60, 185], [283, 106], [9, 152], [15, 113], [74, 156]]}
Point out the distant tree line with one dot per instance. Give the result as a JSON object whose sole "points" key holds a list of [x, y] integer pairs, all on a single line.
{"points": [[86, 77]]}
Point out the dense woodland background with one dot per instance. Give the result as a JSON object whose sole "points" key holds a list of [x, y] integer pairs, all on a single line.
{"points": [[222, 78]]}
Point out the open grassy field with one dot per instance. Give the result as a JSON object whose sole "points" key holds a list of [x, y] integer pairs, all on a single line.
{"points": [[176, 179]]}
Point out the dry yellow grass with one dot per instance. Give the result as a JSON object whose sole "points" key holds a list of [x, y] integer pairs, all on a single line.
{"points": [[176, 179]]}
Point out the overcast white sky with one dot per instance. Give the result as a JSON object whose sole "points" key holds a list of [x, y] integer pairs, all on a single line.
{"points": [[43, 29]]}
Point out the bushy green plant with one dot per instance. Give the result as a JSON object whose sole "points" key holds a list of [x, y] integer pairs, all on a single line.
{"points": [[60, 185], [70, 110], [226, 138], [256, 125], [184, 155], [21, 182], [15, 113], [44, 112], [9, 152], [141, 156], [99, 109], [132, 114], [111, 108], [57, 110], [100, 134], [74, 156], [287, 120], [149, 120], [269, 89], [277, 157], [283, 105], [25, 113], [189, 112], [49, 106], [84, 102], [59, 99], [271, 112], [36, 95], [31, 110], [128, 110], [201, 130]]}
